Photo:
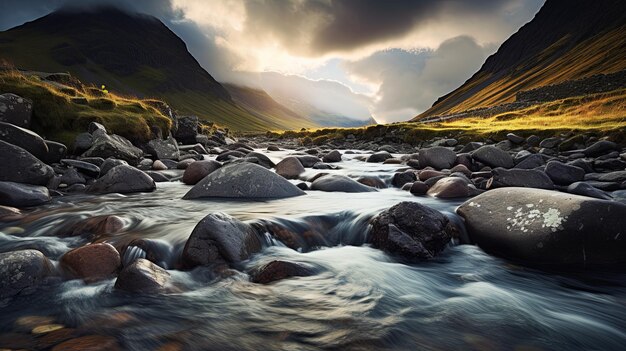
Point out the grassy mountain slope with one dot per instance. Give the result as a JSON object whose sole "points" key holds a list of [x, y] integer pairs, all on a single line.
{"points": [[567, 39], [130, 54]]}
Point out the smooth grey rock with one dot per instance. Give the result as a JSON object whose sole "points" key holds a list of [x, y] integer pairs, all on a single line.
{"points": [[219, 237], [599, 148], [22, 195], [114, 146], [333, 156], [22, 271], [584, 189], [530, 178], [377, 157], [531, 161], [290, 168], [437, 157], [56, 152], [197, 170], [564, 174], [541, 227], [16, 110], [515, 139], [83, 142], [18, 165], [24, 138], [339, 183], [401, 178], [262, 159], [493, 157], [243, 180], [452, 187], [308, 161], [109, 164], [84, 167], [71, 176], [143, 276], [550, 143], [411, 230], [123, 179]]}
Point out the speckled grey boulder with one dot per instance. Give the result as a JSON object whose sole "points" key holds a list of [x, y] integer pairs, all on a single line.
{"points": [[123, 179], [22, 271], [19, 165]]}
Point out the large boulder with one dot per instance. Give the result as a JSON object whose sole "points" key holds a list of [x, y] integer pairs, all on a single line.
{"points": [[114, 146], [333, 156], [22, 195], [530, 178], [123, 179], [24, 138], [198, 170], [290, 167], [163, 149], [15, 110], [437, 157], [92, 262], [143, 276], [493, 157], [19, 165], [56, 151], [187, 129], [217, 238], [22, 271], [243, 180], [540, 227], [411, 230], [341, 183]]}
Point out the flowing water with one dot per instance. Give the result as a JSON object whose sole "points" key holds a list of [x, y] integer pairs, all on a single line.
{"points": [[361, 299]]}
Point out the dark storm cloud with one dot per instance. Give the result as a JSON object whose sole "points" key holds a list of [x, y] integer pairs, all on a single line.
{"points": [[319, 26]]}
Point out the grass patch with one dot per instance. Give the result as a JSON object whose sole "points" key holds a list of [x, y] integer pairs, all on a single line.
{"points": [[59, 112]]}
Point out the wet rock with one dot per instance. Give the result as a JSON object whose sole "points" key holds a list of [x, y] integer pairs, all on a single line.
{"points": [[278, 270], [227, 155], [16, 110], [541, 227], [24, 138], [411, 230], [89, 343], [22, 271], [372, 181], [564, 174], [56, 152], [550, 143], [618, 176], [92, 227], [401, 178], [515, 139], [419, 188], [530, 178], [114, 146], [198, 170], [430, 173], [23, 195], [333, 156], [340, 183], [143, 276], [92, 262], [262, 159], [244, 180], [322, 165], [159, 252], [109, 164], [599, 148], [452, 187], [437, 157], [273, 148], [157, 176], [84, 167], [9, 213], [290, 167], [163, 149], [219, 237], [18, 165], [308, 161], [123, 179], [378, 157], [187, 129], [493, 157], [584, 189]]}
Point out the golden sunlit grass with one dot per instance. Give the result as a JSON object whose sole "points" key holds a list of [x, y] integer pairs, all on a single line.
{"points": [[60, 111]]}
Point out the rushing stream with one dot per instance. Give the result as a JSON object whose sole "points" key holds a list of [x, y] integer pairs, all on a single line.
{"points": [[360, 299]]}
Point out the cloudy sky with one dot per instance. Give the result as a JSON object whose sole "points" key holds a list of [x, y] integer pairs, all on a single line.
{"points": [[388, 59]]}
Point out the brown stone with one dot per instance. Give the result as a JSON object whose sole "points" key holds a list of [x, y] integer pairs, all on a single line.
{"points": [[277, 270], [198, 170], [92, 262], [89, 343]]}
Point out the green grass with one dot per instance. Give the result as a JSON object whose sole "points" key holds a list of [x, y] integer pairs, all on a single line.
{"points": [[56, 115]]}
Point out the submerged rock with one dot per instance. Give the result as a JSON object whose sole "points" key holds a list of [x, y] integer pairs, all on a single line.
{"points": [[278, 270], [337, 182], [243, 180], [411, 231], [22, 195], [22, 271], [540, 227], [19, 165], [219, 237], [143, 276], [123, 179]]}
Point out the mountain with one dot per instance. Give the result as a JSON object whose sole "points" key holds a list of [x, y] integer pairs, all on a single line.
{"points": [[320, 117], [130, 54], [566, 40]]}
